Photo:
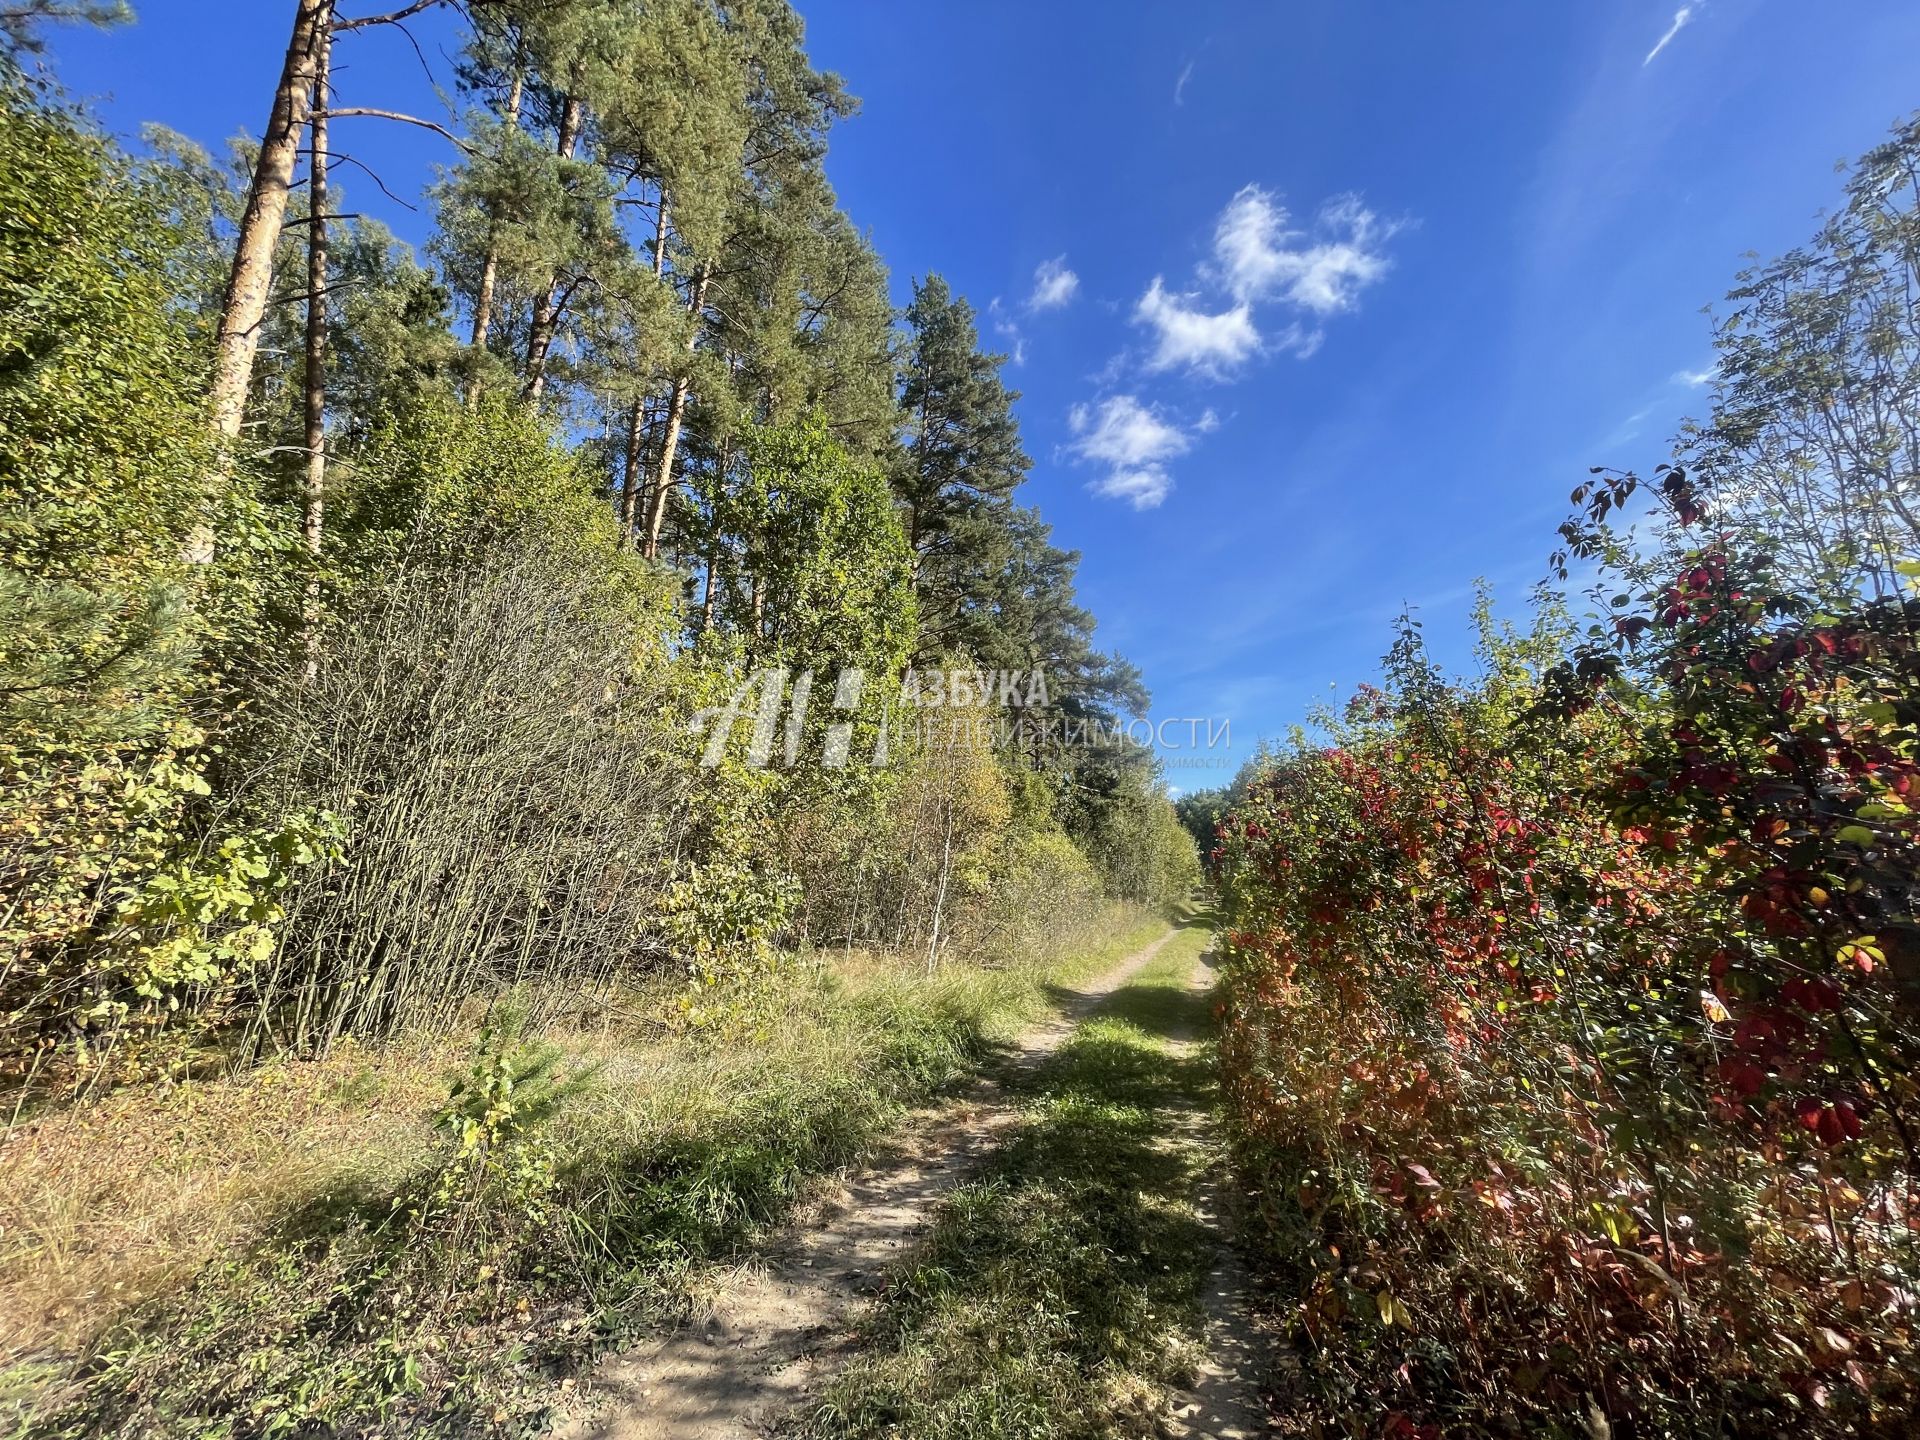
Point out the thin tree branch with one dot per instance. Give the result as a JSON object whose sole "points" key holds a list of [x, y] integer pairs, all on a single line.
{"points": [[338, 215], [340, 159], [350, 284], [393, 17], [373, 114]]}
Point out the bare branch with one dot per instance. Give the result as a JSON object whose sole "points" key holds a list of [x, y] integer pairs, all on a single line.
{"points": [[308, 219], [373, 114], [339, 159], [391, 18]]}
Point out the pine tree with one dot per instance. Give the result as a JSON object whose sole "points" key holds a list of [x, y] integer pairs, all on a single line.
{"points": [[963, 461]]}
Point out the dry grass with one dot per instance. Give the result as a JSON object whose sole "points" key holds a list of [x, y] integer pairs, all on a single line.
{"points": [[108, 1204]]}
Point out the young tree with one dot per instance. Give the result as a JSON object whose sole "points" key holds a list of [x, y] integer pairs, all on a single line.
{"points": [[1815, 431]]}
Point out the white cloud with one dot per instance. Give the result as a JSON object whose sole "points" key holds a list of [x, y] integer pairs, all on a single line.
{"points": [[1680, 19], [1005, 327], [1133, 442], [1260, 259], [1054, 285], [1694, 379], [1300, 340], [1628, 430], [1122, 431], [1189, 336], [1212, 330], [1180, 85], [1143, 489]]}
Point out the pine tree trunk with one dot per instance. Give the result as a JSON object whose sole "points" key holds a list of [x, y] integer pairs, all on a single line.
{"points": [[660, 238], [490, 266], [711, 594], [634, 480], [314, 500], [237, 337], [546, 315], [635, 485], [313, 508], [676, 414]]}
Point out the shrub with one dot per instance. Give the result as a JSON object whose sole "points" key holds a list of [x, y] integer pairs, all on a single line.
{"points": [[509, 761], [1568, 1043]]}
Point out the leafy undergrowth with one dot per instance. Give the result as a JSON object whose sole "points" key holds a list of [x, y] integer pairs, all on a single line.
{"points": [[1570, 1026], [1057, 1295], [563, 1197]]}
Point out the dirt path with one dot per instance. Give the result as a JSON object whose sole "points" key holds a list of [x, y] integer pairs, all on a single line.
{"points": [[772, 1330], [1226, 1402]]}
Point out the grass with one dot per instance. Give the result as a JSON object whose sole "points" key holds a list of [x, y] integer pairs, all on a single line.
{"points": [[106, 1204], [317, 1256], [1059, 1293]]}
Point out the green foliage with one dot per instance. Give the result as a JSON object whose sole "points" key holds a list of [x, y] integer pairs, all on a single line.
{"points": [[833, 564], [124, 901], [1816, 414], [963, 462], [441, 479], [497, 1114], [1201, 811], [1143, 851], [99, 417], [724, 917], [203, 919], [115, 914]]}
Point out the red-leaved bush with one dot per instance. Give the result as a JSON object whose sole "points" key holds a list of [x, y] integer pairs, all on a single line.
{"points": [[1571, 1014]]}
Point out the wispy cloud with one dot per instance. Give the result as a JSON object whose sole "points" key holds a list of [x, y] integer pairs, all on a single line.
{"points": [[1694, 379], [1680, 19], [1189, 337], [1261, 259], [1132, 442], [1258, 264], [1008, 329], [1628, 430], [1180, 85], [1054, 285], [1258, 260]]}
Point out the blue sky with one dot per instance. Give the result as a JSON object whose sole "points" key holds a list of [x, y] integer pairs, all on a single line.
{"points": [[1358, 290]]}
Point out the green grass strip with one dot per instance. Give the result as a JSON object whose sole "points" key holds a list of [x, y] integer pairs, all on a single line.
{"points": [[1058, 1293]]}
